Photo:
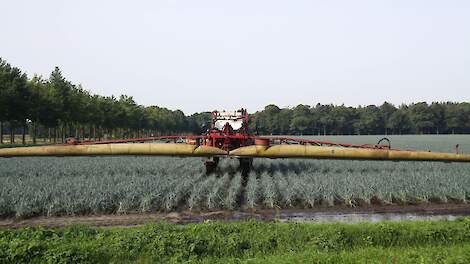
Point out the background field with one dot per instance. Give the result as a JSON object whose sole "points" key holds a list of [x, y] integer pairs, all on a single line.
{"points": [[441, 143], [83, 185]]}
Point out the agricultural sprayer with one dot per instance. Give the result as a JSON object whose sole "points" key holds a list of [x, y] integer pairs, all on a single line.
{"points": [[228, 137]]}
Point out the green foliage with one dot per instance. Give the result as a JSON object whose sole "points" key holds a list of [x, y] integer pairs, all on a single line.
{"points": [[57, 103], [237, 241], [379, 255], [417, 118]]}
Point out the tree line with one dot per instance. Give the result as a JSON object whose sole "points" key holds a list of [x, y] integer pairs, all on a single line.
{"points": [[54, 108], [415, 118]]}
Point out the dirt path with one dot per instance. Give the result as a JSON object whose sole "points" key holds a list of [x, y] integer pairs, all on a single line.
{"points": [[326, 213]]}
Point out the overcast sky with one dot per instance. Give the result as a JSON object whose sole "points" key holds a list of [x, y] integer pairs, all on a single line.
{"points": [[205, 55]]}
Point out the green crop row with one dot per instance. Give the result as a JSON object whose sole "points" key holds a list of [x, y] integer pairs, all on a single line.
{"points": [[250, 241], [84, 185]]}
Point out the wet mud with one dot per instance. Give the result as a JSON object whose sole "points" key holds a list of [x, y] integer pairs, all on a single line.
{"points": [[334, 214]]}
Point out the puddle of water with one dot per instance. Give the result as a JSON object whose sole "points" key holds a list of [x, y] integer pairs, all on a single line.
{"points": [[352, 218]]}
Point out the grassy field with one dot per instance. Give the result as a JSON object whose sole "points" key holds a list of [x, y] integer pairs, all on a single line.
{"points": [[28, 140], [440, 143], [84, 185], [243, 242]]}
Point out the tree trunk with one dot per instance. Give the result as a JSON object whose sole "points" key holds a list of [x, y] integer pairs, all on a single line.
{"points": [[55, 135], [23, 136], [1, 132], [33, 134], [39, 133], [12, 134]]}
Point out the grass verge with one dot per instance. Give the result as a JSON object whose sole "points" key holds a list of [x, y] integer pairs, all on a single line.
{"points": [[243, 242]]}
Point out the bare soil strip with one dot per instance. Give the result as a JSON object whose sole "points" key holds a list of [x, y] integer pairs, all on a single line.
{"points": [[186, 217]]}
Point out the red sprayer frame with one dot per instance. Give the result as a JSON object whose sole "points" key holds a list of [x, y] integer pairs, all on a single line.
{"points": [[222, 135]]}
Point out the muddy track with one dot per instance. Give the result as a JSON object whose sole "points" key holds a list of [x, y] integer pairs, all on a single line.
{"points": [[320, 214]]}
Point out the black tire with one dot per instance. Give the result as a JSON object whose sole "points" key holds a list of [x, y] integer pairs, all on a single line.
{"points": [[245, 167], [211, 164]]}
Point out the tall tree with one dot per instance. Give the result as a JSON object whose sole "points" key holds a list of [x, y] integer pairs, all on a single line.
{"points": [[371, 120], [422, 117], [387, 110], [38, 104], [399, 122], [14, 98], [301, 120], [284, 120], [343, 119], [323, 115], [200, 122], [271, 118], [61, 93]]}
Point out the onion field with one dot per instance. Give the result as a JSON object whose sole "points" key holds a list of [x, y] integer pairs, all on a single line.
{"points": [[96, 185]]}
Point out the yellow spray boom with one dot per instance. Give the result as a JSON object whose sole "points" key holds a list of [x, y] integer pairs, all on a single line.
{"points": [[259, 150], [150, 149], [229, 137], [321, 152]]}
